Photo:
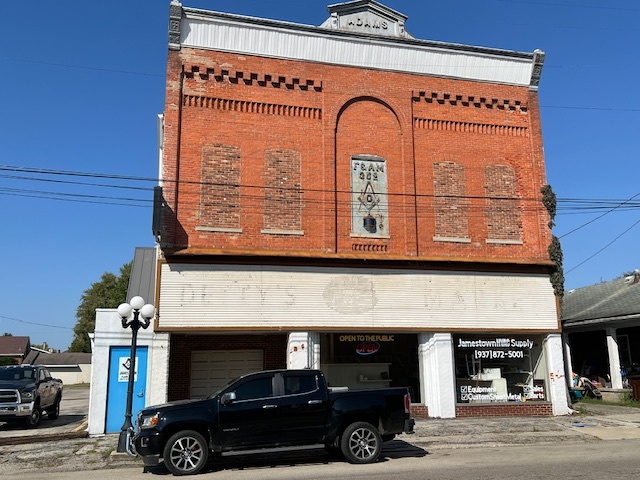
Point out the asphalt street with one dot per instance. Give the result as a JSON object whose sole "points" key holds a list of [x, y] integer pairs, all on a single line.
{"points": [[62, 445]]}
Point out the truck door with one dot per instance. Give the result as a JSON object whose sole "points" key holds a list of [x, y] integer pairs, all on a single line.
{"points": [[251, 420], [47, 388], [42, 386], [302, 410]]}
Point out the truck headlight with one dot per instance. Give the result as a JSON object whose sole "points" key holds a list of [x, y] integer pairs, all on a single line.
{"points": [[148, 421], [27, 396]]}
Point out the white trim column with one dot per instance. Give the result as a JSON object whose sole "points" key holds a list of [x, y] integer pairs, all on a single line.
{"points": [[558, 393], [614, 358], [313, 351], [437, 381], [298, 347], [568, 360]]}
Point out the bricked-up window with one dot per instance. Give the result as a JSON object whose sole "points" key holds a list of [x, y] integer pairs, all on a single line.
{"points": [[503, 214], [282, 195], [369, 202], [500, 368], [450, 203], [220, 191]]}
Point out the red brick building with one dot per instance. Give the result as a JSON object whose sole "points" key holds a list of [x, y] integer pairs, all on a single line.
{"points": [[350, 198]]}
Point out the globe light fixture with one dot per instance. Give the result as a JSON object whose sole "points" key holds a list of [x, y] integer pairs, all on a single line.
{"points": [[135, 315]]}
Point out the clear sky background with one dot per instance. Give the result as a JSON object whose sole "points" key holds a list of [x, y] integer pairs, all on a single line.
{"points": [[82, 82]]}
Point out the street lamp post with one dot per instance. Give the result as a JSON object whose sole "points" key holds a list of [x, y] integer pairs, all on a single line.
{"points": [[137, 307]]}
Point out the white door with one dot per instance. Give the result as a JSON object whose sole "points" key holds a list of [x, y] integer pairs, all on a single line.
{"points": [[211, 369]]}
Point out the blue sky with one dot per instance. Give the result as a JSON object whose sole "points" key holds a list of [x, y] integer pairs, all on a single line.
{"points": [[83, 81]]}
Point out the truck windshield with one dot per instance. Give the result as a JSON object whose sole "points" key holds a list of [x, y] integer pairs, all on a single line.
{"points": [[16, 373]]}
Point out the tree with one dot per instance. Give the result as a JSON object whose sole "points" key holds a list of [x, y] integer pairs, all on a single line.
{"points": [[109, 292], [7, 334], [8, 360]]}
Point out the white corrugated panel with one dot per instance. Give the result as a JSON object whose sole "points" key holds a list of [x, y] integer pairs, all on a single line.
{"points": [[318, 46], [267, 297]]}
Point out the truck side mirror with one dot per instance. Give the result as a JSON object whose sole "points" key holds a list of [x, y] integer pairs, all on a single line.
{"points": [[228, 398]]}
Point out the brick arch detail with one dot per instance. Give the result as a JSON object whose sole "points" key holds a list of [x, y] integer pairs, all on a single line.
{"points": [[335, 112]]}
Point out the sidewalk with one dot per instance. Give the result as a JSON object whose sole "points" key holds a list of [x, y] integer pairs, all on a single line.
{"points": [[597, 423], [21, 451]]}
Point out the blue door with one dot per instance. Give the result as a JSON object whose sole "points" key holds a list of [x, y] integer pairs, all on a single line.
{"points": [[119, 382]]}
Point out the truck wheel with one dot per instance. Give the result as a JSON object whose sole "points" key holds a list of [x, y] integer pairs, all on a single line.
{"points": [[361, 443], [186, 453], [33, 420], [54, 411]]}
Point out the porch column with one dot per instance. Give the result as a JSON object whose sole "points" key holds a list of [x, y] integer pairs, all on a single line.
{"points": [[568, 361], [437, 381], [558, 393], [614, 358]]}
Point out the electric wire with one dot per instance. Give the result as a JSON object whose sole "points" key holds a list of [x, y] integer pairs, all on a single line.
{"points": [[282, 195], [4, 317], [603, 248]]}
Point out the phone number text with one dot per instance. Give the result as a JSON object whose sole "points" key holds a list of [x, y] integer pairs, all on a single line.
{"points": [[491, 354]]}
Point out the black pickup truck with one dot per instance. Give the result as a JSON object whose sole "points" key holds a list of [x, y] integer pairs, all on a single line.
{"points": [[271, 410], [26, 391]]}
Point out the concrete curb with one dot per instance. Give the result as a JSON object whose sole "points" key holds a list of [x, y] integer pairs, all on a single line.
{"points": [[49, 437]]}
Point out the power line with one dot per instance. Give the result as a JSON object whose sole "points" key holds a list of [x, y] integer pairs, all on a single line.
{"points": [[34, 323], [281, 197], [70, 200], [600, 216], [82, 67], [128, 72], [597, 109], [581, 6], [603, 248], [68, 182], [234, 193]]}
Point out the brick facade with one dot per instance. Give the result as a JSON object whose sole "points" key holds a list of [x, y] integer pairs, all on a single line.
{"points": [[266, 145], [260, 154]]}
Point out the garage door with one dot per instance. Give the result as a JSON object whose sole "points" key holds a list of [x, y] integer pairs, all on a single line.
{"points": [[211, 369]]}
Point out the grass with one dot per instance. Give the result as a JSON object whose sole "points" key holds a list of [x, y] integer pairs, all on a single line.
{"points": [[76, 385], [580, 410], [627, 402], [106, 453]]}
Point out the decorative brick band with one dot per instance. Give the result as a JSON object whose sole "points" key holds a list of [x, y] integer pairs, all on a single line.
{"points": [[470, 101], [529, 409], [260, 79], [468, 127], [494, 410], [251, 107], [367, 247]]}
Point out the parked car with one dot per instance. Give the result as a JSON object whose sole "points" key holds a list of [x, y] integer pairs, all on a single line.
{"points": [[26, 391], [267, 410]]}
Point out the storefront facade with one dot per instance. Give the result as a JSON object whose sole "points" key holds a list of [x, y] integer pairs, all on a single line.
{"points": [[350, 198], [447, 337]]}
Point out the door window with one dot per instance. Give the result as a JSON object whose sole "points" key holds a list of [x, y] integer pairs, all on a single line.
{"points": [[298, 384], [254, 389]]}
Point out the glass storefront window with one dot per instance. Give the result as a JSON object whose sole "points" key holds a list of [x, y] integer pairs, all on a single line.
{"points": [[365, 361], [499, 368]]}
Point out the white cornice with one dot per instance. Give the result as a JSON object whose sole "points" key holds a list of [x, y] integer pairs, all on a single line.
{"points": [[277, 39]]}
